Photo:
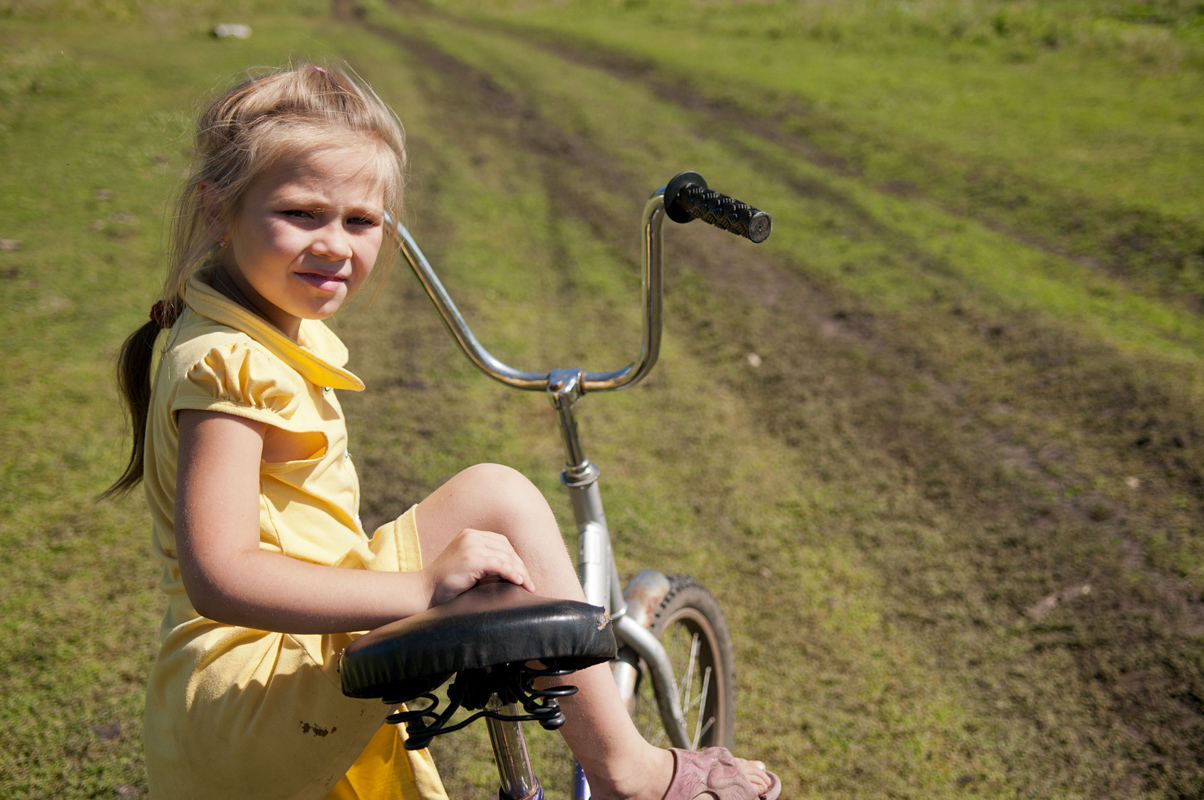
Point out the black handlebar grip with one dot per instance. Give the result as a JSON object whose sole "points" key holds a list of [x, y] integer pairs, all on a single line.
{"points": [[687, 197]]}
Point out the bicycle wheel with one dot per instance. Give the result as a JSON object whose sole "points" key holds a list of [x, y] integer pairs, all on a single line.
{"points": [[690, 625]]}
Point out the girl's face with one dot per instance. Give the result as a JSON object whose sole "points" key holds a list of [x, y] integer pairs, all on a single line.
{"points": [[307, 235]]}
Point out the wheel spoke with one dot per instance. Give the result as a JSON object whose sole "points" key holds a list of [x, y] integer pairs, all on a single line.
{"points": [[688, 680], [702, 718]]}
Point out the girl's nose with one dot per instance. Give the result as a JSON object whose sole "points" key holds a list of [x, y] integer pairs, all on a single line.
{"points": [[332, 242]]}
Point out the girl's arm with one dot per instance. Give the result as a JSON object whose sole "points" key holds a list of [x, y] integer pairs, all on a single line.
{"points": [[229, 579]]}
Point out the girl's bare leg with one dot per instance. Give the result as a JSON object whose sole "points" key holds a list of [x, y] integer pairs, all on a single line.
{"points": [[616, 759]]}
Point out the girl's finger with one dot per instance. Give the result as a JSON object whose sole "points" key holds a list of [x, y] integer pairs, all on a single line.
{"points": [[515, 572]]}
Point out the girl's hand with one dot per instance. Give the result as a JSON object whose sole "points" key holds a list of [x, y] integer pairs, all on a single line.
{"points": [[475, 557]]}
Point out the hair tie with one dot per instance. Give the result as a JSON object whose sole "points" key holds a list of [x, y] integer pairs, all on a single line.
{"points": [[164, 315]]}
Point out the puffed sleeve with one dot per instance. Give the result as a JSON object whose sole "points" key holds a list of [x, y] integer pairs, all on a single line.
{"points": [[239, 378]]}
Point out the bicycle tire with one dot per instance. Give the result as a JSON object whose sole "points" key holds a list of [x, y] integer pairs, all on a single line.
{"points": [[694, 632]]}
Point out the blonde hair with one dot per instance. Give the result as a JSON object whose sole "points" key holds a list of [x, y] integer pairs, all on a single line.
{"points": [[246, 131], [240, 136]]}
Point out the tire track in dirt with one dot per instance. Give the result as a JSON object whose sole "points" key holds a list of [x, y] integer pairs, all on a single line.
{"points": [[724, 119], [1138, 246], [1015, 548], [1180, 430]]}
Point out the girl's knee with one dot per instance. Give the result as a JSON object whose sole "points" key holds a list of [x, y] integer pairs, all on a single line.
{"points": [[502, 492], [499, 474], [497, 498], [499, 479]]}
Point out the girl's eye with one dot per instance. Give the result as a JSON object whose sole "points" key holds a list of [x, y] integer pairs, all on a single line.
{"points": [[364, 221], [296, 213]]}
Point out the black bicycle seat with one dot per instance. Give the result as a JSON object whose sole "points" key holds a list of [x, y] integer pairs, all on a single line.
{"points": [[486, 627]]}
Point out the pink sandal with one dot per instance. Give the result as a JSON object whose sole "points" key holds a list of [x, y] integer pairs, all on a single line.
{"points": [[713, 771]]}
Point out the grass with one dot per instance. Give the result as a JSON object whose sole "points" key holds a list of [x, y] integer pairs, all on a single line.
{"points": [[952, 514], [1094, 122]]}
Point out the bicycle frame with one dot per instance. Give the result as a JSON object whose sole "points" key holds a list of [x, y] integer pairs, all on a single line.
{"points": [[596, 564]]}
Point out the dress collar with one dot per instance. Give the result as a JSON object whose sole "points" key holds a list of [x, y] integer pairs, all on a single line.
{"points": [[319, 356]]}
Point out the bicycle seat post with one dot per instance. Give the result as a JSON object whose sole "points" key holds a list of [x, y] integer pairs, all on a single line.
{"points": [[510, 753]]}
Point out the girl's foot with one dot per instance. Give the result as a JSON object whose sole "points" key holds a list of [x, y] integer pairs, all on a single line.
{"points": [[684, 775], [716, 773]]}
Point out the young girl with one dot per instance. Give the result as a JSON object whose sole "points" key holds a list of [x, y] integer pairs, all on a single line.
{"points": [[240, 442]]}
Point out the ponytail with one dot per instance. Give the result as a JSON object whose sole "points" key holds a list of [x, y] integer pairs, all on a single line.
{"points": [[133, 382]]}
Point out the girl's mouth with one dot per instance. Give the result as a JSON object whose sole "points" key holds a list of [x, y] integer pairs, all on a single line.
{"points": [[322, 281]]}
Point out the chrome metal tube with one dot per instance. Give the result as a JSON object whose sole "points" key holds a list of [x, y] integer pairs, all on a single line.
{"points": [[654, 216], [510, 753], [456, 324], [640, 639], [564, 390], [594, 563], [654, 219]]}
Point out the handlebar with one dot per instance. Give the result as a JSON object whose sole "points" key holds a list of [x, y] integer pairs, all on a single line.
{"points": [[688, 198]]}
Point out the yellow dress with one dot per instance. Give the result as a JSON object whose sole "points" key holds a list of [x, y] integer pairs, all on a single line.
{"points": [[234, 712]]}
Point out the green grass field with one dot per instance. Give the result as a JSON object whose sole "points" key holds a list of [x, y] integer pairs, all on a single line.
{"points": [[953, 512]]}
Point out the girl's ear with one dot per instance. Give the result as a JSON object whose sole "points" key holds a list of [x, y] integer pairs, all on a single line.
{"points": [[211, 210]]}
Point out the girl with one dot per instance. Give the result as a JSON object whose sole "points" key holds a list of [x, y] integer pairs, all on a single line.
{"points": [[240, 442]]}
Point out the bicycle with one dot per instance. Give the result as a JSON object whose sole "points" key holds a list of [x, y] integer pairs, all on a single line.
{"points": [[665, 636]]}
